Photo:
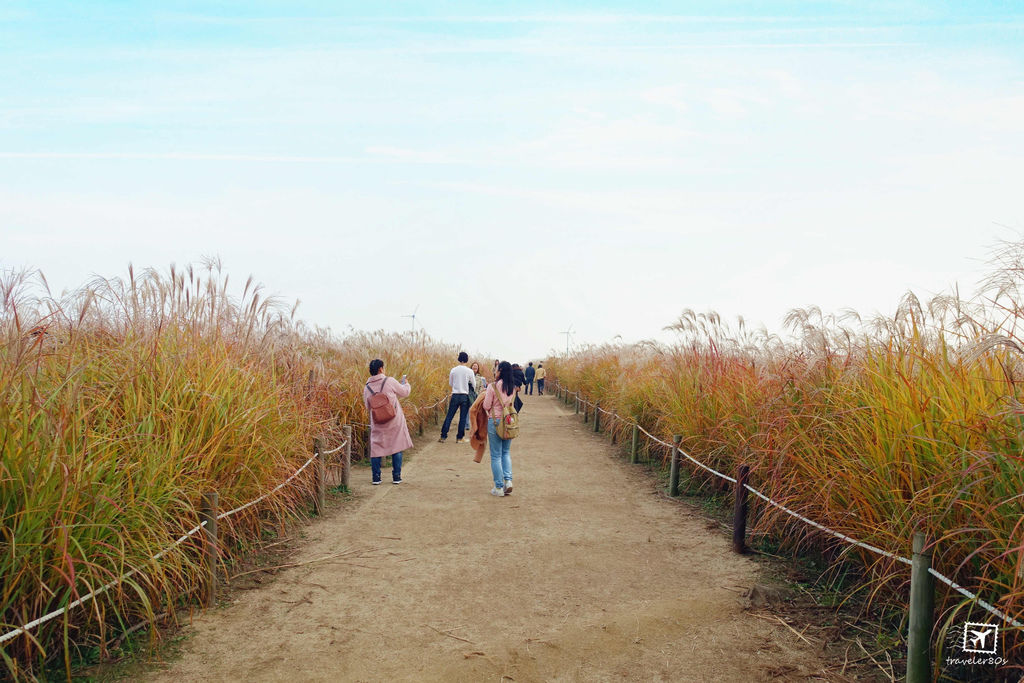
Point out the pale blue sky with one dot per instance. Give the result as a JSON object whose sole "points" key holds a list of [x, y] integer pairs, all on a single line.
{"points": [[615, 162]]}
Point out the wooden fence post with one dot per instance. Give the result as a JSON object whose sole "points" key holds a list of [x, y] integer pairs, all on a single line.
{"points": [[319, 476], [420, 418], [922, 601], [586, 413], [597, 416], [208, 514], [673, 479], [346, 455], [634, 451], [367, 446], [577, 404], [739, 511]]}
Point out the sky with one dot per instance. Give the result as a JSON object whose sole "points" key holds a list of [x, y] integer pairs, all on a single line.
{"points": [[511, 170]]}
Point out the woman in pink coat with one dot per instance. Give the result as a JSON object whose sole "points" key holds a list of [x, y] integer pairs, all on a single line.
{"points": [[391, 437]]}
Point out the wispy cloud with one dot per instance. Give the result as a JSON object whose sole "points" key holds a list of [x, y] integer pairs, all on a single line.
{"points": [[190, 156], [581, 18]]}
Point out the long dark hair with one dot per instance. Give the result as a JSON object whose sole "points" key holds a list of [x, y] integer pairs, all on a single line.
{"points": [[508, 384]]}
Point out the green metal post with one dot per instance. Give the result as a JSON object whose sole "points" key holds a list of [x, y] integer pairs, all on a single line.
{"points": [[922, 601]]}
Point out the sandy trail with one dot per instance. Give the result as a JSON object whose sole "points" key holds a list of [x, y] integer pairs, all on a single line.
{"points": [[585, 573]]}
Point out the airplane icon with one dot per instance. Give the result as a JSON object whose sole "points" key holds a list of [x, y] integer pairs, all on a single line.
{"points": [[979, 637]]}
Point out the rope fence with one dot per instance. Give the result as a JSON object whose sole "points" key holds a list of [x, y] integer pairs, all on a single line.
{"points": [[211, 519], [318, 455], [676, 451], [277, 488], [103, 589], [196, 529]]}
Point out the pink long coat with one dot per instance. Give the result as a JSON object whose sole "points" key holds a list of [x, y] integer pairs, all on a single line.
{"points": [[392, 436]]}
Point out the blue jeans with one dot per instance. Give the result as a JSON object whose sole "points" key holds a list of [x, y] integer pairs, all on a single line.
{"points": [[540, 386], [459, 402], [501, 460], [396, 467], [529, 386]]}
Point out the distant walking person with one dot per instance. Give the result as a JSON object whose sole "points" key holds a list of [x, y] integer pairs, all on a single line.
{"points": [[518, 376], [540, 379], [498, 396], [461, 379], [529, 373], [389, 434]]}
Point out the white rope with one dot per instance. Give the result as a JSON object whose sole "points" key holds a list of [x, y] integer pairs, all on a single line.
{"points": [[971, 596], [342, 445], [686, 455], [56, 613], [885, 553], [268, 493], [837, 534], [652, 436]]}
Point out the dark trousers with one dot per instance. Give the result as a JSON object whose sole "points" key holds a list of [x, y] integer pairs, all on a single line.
{"points": [[540, 387], [529, 386], [396, 467], [459, 402]]}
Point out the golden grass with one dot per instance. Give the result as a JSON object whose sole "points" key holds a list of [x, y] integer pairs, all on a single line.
{"points": [[125, 400], [876, 430]]}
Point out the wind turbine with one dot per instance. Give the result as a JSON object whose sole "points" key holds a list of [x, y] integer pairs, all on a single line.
{"points": [[413, 316], [567, 333]]}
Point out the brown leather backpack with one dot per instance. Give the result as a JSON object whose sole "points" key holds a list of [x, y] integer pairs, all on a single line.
{"points": [[380, 404]]}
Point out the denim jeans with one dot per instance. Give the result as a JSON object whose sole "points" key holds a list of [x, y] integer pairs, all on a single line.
{"points": [[459, 402], [529, 386], [501, 459], [540, 386], [396, 467]]}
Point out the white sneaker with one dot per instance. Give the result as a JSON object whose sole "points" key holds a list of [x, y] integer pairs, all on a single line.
{"points": [[508, 488], [497, 492]]}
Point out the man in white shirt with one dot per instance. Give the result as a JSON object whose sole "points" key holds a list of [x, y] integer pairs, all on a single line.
{"points": [[461, 379]]}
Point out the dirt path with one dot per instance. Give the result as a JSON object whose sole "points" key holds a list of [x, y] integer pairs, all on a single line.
{"points": [[585, 573]]}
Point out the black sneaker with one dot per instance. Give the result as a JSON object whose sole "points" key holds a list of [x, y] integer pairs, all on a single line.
{"points": [[376, 483], [397, 481]]}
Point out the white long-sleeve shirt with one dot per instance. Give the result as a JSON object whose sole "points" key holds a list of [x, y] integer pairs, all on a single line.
{"points": [[460, 378]]}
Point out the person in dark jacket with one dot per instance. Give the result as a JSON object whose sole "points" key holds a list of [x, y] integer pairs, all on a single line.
{"points": [[519, 379], [518, 376], [529, 374]]}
